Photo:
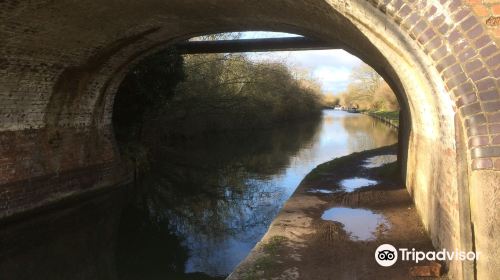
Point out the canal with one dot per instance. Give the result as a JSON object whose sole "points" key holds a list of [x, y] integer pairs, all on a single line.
{"points": [[234, 184], [203, 205]]}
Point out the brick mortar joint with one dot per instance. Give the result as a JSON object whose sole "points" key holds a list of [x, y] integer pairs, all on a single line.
{"points": [[426, 26]]}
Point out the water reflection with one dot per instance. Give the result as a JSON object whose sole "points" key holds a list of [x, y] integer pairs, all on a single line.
{"points": [[148, 249], [70, 242], [352, 184], [321, 191], [220, 192], [361, 224], [367, 132], [203, 206]]}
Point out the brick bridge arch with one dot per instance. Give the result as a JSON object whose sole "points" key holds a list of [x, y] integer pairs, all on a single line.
{"points": [[62, 61]]}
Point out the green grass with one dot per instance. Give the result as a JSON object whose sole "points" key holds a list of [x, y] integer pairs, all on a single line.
{"points": [[266, 262], [391, 115], [327, 167], [339, 164], [274, 244]]}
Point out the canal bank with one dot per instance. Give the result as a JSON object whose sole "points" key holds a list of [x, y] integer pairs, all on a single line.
{"points": [[334, 221], [389, 118]]}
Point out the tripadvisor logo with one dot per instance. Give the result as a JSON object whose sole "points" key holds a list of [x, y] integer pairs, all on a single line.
{"points": [[387, 255]]}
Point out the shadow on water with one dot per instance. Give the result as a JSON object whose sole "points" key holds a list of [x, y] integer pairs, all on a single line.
{"points": [[147, 249], [219, 192], [204, 204]]}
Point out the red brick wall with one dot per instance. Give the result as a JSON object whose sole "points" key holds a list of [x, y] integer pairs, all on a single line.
{"points": [[38, 166], [488, 11], [468, 60]]}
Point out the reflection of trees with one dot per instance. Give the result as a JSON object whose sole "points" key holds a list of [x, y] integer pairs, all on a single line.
{"points": [[216, 177], [147, 249], [216, 186], [367, 132], [144, 249], [216, 190]]}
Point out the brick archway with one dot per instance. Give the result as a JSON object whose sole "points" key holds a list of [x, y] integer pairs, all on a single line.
{"points": [[62, 62]]}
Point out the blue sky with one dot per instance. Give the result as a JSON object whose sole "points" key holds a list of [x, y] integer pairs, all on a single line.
{"points": [[330, 67]]}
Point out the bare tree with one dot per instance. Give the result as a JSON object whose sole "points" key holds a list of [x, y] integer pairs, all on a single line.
{"points": [[368, 91]]}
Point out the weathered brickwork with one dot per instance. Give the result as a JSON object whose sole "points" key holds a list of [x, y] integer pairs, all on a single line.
{"points": [[466, 55], [488, 12], [61, 63], [39, 165], [467, 58]]}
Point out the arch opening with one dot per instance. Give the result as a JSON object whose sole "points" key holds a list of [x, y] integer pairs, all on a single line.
{"points": [[406, 121], [69, 109], [296, 137]]}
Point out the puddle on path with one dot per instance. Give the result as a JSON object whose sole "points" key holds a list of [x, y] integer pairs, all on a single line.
{"points": [[322, 191], [378, 161], [360, 223], [352, 184]]}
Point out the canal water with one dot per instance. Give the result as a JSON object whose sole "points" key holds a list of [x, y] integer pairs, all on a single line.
{"points": [[204, 204], [218, 194]]}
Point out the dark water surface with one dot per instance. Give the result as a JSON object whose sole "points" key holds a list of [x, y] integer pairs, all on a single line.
{"points": [[204, 204]]}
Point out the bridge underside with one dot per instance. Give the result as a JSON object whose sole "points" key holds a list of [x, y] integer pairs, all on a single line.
{"points": [[62, 61], [253, 45]]}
